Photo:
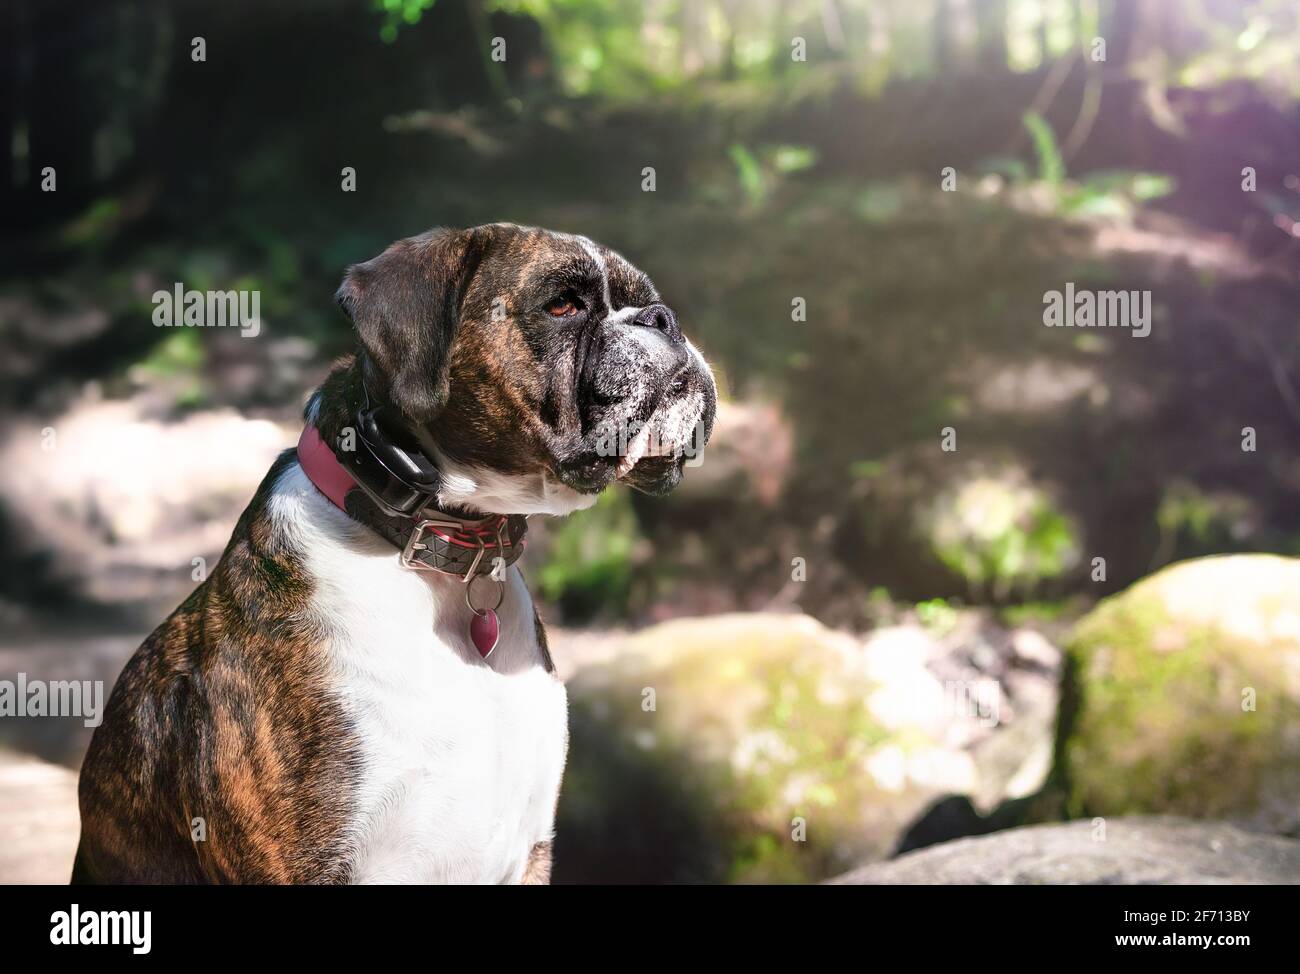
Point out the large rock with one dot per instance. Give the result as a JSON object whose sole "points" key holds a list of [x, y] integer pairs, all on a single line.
{"points": [[1185, 697], [1118, 851], [768, 748]]}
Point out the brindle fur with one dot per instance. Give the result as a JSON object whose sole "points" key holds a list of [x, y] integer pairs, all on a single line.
{"points": [[514, 367], [224, 715], [545, 646]]}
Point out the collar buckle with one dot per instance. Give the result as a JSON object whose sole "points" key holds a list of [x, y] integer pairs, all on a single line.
{"points": [[416, 543], [451, 543]]}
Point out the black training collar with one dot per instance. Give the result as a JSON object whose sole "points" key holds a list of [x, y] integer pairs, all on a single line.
{"points": [[395, 496], [435, 541]]}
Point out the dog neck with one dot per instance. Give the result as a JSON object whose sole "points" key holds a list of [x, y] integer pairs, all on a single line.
{"points": [[394, 491], [467, 488]]}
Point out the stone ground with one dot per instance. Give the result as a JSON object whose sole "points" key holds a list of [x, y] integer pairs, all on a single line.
{"points": [[38, 820], [1137, 851]]}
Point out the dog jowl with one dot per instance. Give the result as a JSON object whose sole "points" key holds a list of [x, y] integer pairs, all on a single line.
{"points": [[361, 691]]}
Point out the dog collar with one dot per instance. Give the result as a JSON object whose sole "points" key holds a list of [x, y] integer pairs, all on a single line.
{"points": [[428, 539]]}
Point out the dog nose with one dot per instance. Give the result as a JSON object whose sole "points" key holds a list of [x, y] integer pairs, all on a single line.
{"points": [[660, 317]]}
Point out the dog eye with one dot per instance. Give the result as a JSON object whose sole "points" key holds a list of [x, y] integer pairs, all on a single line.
{"points": [[563, 306]]}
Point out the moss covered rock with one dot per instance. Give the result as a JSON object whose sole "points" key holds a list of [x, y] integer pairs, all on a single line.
{"points": [[1185, 696], [745, 748]]}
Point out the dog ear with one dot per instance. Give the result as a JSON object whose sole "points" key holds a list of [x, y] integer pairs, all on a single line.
{"points": [[405, 305]]}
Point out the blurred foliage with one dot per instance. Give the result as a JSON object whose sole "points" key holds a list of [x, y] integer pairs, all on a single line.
{"points": [[1102, 193], [1037, 613], [180, 352], [1001, 534], [399, 12], [1198, 521], [588, 567], [936, 615], [759, 173], [1051, 167], [776, 178], [628, 50], [1113, 194], [1254, 40]]}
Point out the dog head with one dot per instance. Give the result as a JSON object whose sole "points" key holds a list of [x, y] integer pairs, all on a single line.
{"points": [[534, 367]]}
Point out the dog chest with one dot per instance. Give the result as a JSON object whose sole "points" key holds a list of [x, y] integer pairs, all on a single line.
{"points": [[461, 758], [461, 773]]}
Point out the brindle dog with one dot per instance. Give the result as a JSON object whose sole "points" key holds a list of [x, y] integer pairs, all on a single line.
{"points": [[315, 712]]}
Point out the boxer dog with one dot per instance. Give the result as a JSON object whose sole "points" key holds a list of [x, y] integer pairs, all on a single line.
{"points": [[361, 690]]}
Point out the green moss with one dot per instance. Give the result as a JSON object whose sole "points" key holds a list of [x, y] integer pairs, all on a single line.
{"points": [[589, 563], [758, 721], [1159, 725]]}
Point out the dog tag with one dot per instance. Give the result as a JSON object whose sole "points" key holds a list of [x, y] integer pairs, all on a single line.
{"points": [[484, 629]]}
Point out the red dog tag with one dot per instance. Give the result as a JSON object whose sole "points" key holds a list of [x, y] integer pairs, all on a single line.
{"points": [[484, 630]]}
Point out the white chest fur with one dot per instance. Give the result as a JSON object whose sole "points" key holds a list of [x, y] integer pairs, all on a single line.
{"points": [[462, 758]]}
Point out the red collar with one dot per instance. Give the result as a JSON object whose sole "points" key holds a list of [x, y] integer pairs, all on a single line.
{"points": [[323, 468], [430, 539]]}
